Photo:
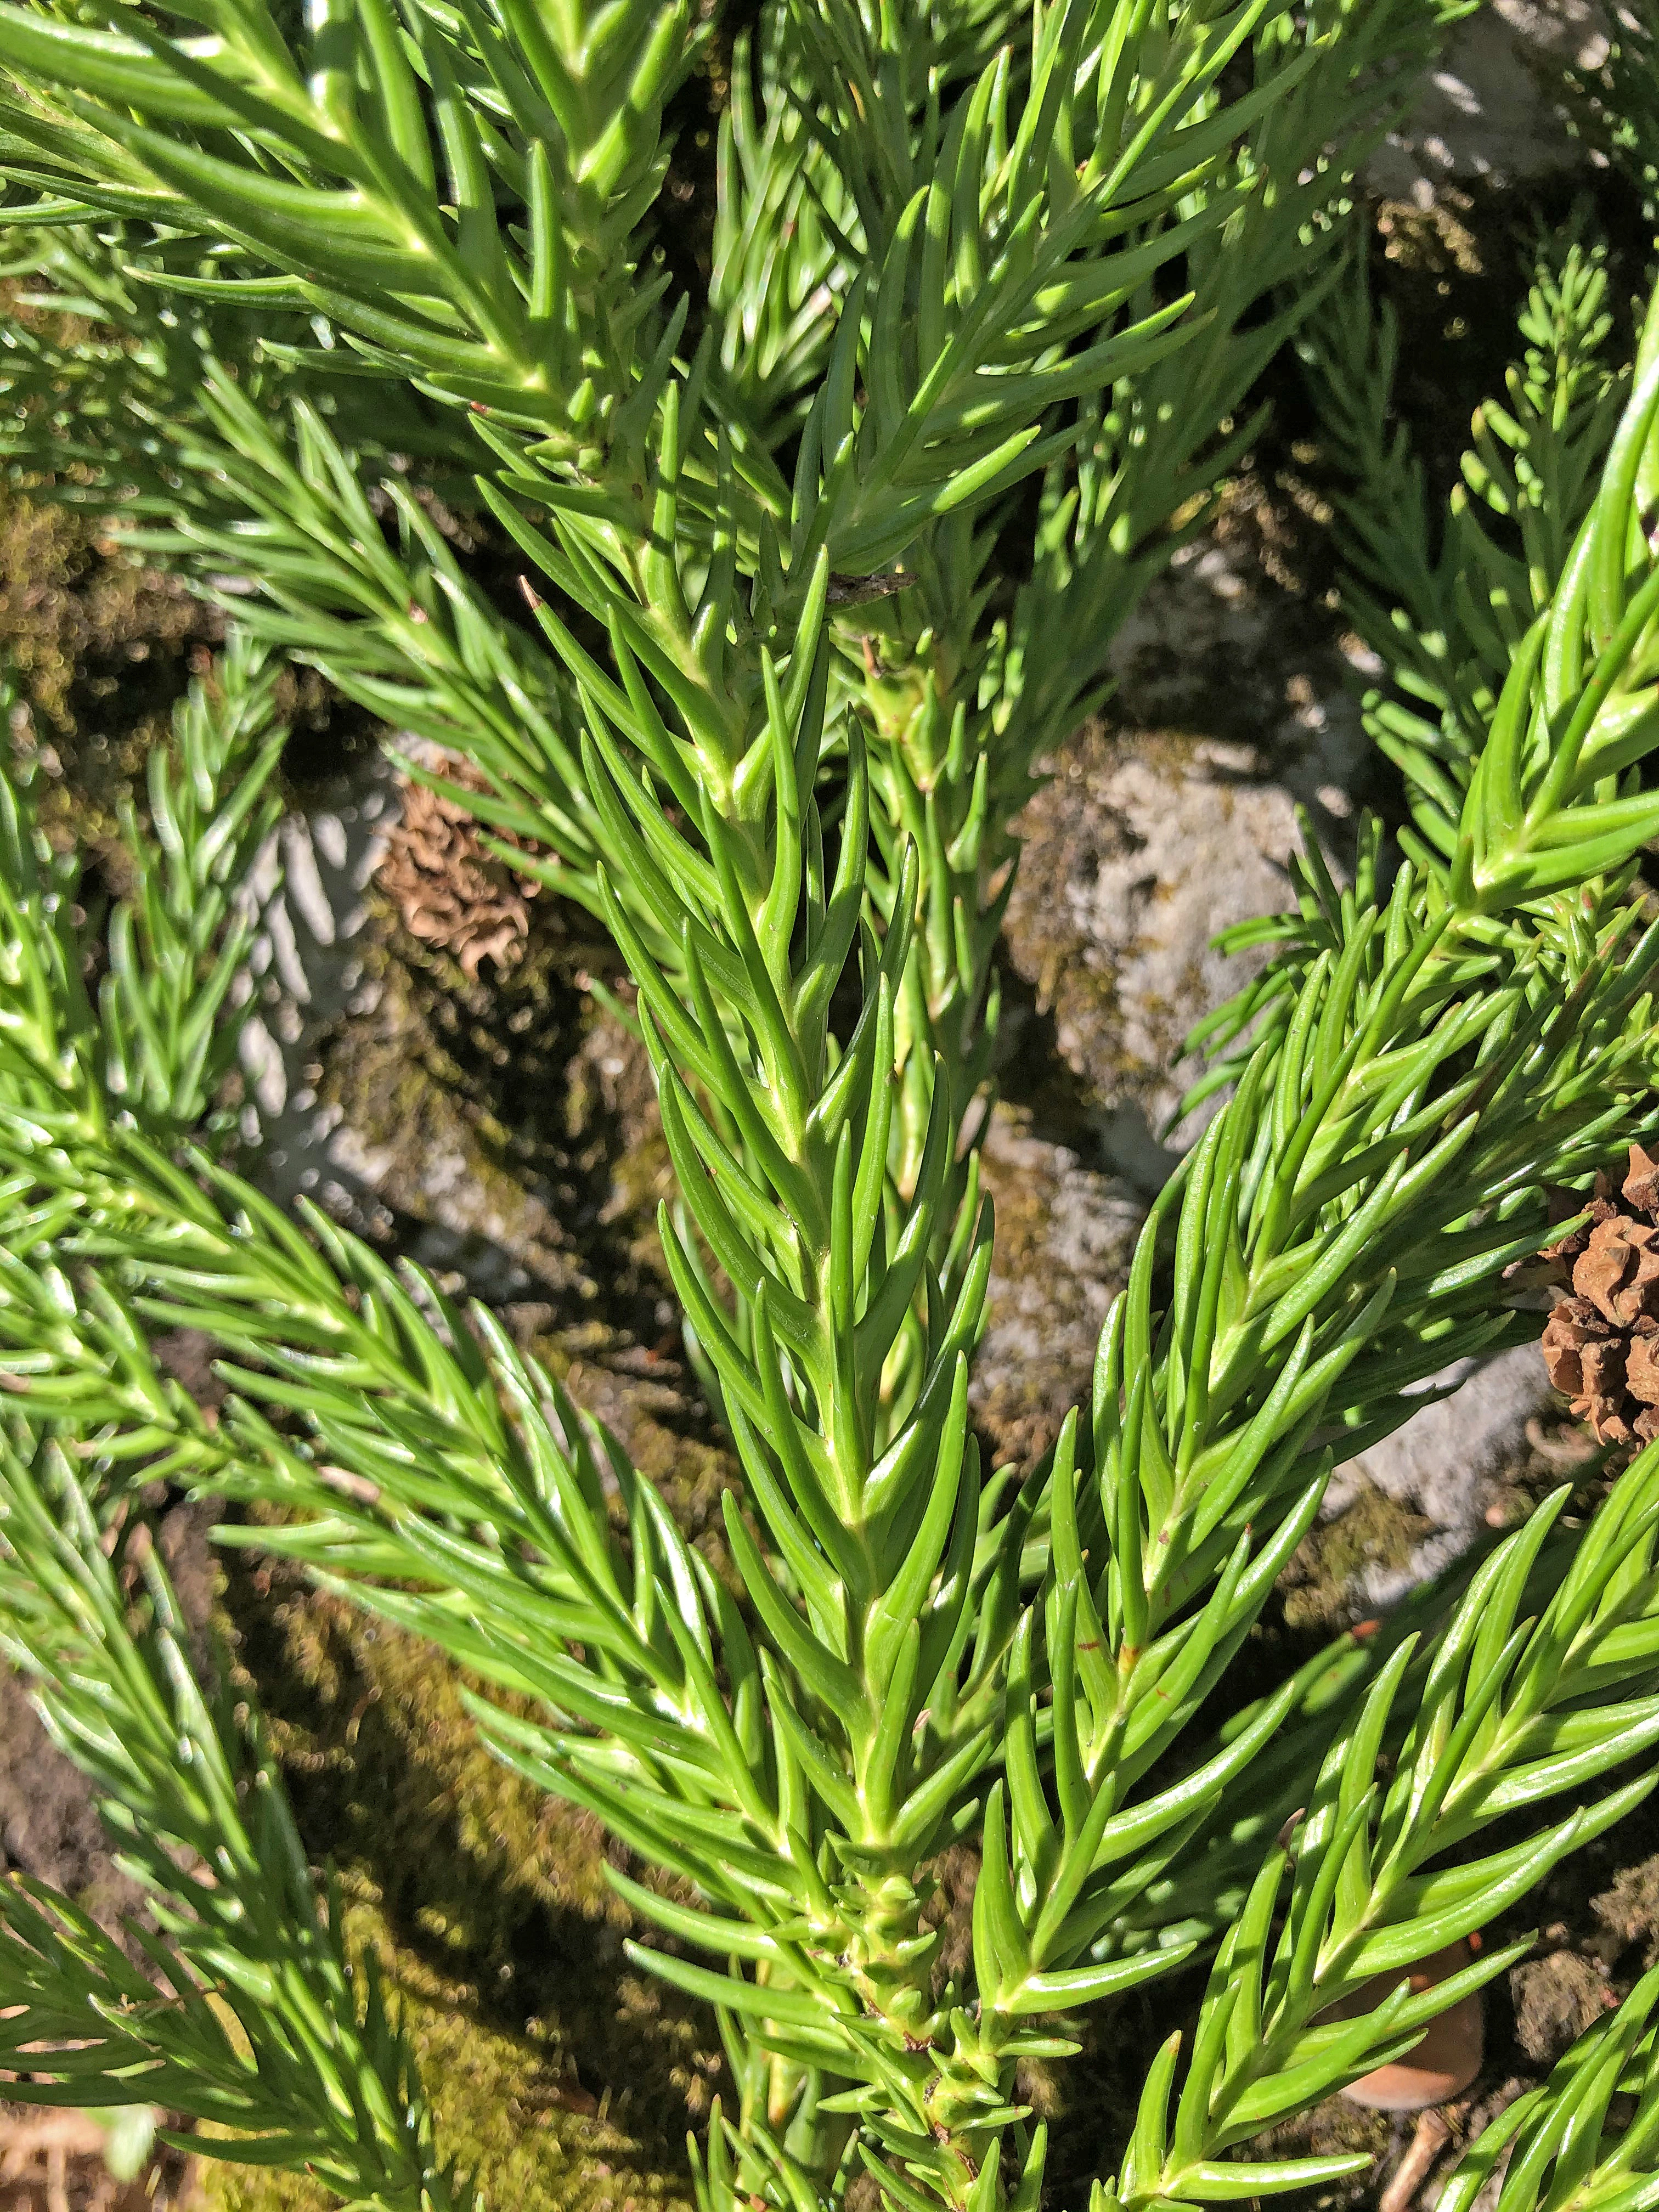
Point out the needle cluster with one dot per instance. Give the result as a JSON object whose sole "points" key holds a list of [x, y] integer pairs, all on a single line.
{"points": [[818, 560]]}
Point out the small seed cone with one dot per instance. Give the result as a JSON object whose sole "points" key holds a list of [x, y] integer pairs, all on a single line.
{"points": [[1601, 1343], [449, 888]]}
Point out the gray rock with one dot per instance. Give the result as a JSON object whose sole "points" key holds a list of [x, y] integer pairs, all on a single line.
{"points": [[315, 974], [1066, 1235], [1170, 825], [1232, 712], [304, 971]]}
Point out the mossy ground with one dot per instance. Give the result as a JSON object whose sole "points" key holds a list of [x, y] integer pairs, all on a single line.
{"points": [[564, 2075]]}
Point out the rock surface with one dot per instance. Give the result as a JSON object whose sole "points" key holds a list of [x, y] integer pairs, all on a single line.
{"points": [[1066, 1235], [1235, 722], [1448, 1464], [1556, 1999], [1172, 821], [1487, 113]]}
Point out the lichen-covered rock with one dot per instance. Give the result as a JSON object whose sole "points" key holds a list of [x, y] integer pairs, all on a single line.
{"points": [[1363, 1532], [1555, 2000], [1233, 725], [1066, 1235], [410, 1129], [1160, 829], [1629, 1914]]}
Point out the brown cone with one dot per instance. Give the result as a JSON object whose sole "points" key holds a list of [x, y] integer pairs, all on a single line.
{"points": [[1600, 1343], [1641, 1189], [450, 890]]}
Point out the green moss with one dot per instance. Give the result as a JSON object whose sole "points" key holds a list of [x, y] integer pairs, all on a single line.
{"points": [[99, 650], [1318, 1587], [565, 2076], [508, 2108], [96, 640]]}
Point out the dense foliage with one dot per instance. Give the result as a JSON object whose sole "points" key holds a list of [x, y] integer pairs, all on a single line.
{"points": [[824, 556]]}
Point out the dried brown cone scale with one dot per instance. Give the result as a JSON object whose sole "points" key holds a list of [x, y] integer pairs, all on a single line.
{"points": [[1602, 1342], [449, 889]]}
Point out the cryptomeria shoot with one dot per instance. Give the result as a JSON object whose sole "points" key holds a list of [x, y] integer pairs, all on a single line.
{"points": [[823, 557]]}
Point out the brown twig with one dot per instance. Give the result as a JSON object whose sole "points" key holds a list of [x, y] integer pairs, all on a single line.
{"points": [[1430, 2139]]}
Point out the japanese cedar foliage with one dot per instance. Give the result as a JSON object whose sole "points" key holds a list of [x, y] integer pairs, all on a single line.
{"points": [[822, 560]]}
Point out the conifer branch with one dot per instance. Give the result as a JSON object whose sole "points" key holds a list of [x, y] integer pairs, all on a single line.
{"points": [[1452, 617], [1559, 2144], [164, 1031], [773, 740], [237, 2004]]}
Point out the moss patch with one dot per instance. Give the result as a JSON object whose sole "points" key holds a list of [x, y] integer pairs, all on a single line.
{"points": [[98, 643], [567, 2077], [506, 2105], [1318, 1587]]}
